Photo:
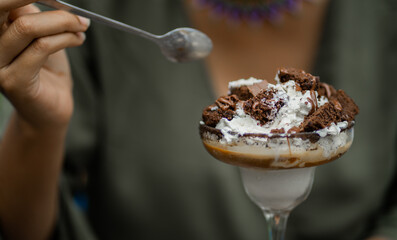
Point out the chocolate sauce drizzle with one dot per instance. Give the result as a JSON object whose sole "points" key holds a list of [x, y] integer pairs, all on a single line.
{"points": [[313, 101]]}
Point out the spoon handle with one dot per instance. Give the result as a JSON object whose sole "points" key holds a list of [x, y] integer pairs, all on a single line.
{"points": [[57, 4]]}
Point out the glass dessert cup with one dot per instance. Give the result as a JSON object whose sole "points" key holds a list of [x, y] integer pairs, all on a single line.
{"points": [[277, 170]]}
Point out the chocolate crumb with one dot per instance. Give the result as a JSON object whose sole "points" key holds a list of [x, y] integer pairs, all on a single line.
{"points": [[348, 107], [337, 104], [304, 80], [321, 118], [227, 102], [242, 92], [262, 107], [294, 130], [325, 90], [224, 107], [277, 130], [246, 92]]}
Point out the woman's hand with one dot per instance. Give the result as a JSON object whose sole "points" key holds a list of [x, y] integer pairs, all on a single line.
{"points": [[34, 71], [35, 77]]}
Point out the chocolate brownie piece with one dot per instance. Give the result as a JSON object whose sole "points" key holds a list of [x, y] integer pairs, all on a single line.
{"points": [[348, 106], [304, 80], [262, 107], [321, 118], [246, 92], [224, 107], [326, 90]]}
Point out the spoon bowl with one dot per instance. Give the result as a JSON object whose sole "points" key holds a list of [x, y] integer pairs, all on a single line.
{"points": [[185, 44]]}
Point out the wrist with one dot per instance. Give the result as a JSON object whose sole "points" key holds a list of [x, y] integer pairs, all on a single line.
{"points": [[43, 114], [29, 129]]}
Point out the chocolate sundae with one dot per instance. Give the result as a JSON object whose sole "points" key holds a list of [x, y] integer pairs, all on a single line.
{"points": [[297, 122]]}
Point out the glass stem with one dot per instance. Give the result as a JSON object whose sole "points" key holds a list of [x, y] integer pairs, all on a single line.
{"points": [[276, 224]]}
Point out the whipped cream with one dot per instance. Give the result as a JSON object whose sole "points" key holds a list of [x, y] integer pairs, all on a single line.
{"points": [[297, 106], [244, 82]]}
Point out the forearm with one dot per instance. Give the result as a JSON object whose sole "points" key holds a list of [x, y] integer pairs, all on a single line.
{"points": [[36, 78], [30, 165]]}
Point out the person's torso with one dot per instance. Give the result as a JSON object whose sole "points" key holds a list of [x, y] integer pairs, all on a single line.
{"points": [[135, 136]]}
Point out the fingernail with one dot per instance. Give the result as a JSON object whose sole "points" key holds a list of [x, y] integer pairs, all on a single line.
{"points": [[84, 21], [81, 35]]}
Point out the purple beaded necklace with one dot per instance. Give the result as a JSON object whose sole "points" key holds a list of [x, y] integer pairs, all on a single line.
{"points": [[251, 10]]}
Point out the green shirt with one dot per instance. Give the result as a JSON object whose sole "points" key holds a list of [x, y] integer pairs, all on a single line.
{"points": [[134, 151]]}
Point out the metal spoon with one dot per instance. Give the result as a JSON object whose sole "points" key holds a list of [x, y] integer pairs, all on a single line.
{"points": [[178, 45]]}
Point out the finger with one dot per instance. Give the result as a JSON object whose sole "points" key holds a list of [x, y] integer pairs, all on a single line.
{"points": [[29, 27], [3, 21], [58, 62], [8, 5], [7, 18], [33, 58], [25, 10]]}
